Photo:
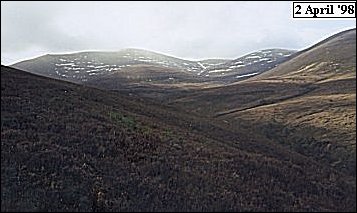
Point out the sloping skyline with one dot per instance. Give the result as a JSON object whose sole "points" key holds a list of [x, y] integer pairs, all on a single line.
{"points": [[189, 30]]}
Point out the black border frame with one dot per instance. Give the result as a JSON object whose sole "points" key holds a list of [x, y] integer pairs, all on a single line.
{"points": [[321, 2]]}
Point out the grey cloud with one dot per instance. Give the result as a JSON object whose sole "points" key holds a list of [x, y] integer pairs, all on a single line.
{"points": [[185, 29], [26, 25]]}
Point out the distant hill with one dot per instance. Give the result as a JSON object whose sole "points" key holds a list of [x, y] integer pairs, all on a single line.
{"points": [[86, 66], [249, 65], [83, 66]]}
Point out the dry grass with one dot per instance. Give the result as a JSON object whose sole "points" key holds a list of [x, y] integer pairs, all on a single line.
{"points": [[72, 148]]}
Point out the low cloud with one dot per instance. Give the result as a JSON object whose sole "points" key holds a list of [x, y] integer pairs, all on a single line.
{"points": [[189, 30]]}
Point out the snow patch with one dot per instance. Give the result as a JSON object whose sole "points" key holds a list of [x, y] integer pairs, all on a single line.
{"points": [[145, 60], [246, 75], [219, 70], [200, 72], [236, 66], [98, 67], [253, 56], [239, 62], [199, 63], [67, 64]]}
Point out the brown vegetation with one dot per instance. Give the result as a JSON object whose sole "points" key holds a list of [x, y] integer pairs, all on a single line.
{"points": [[67, 147]]}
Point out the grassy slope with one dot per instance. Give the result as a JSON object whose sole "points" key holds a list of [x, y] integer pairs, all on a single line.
{"points": [[68, 147], [330, 59], [307, 103], [325, 116]]}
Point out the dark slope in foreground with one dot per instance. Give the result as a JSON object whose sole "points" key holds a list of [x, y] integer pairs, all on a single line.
{"points": [[66, 147]]}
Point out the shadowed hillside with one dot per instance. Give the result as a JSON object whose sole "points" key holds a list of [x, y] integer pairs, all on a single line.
{"points": [[66, 147]]}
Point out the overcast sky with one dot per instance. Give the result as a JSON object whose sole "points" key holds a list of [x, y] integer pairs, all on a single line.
{"points": [[190, 30]]}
